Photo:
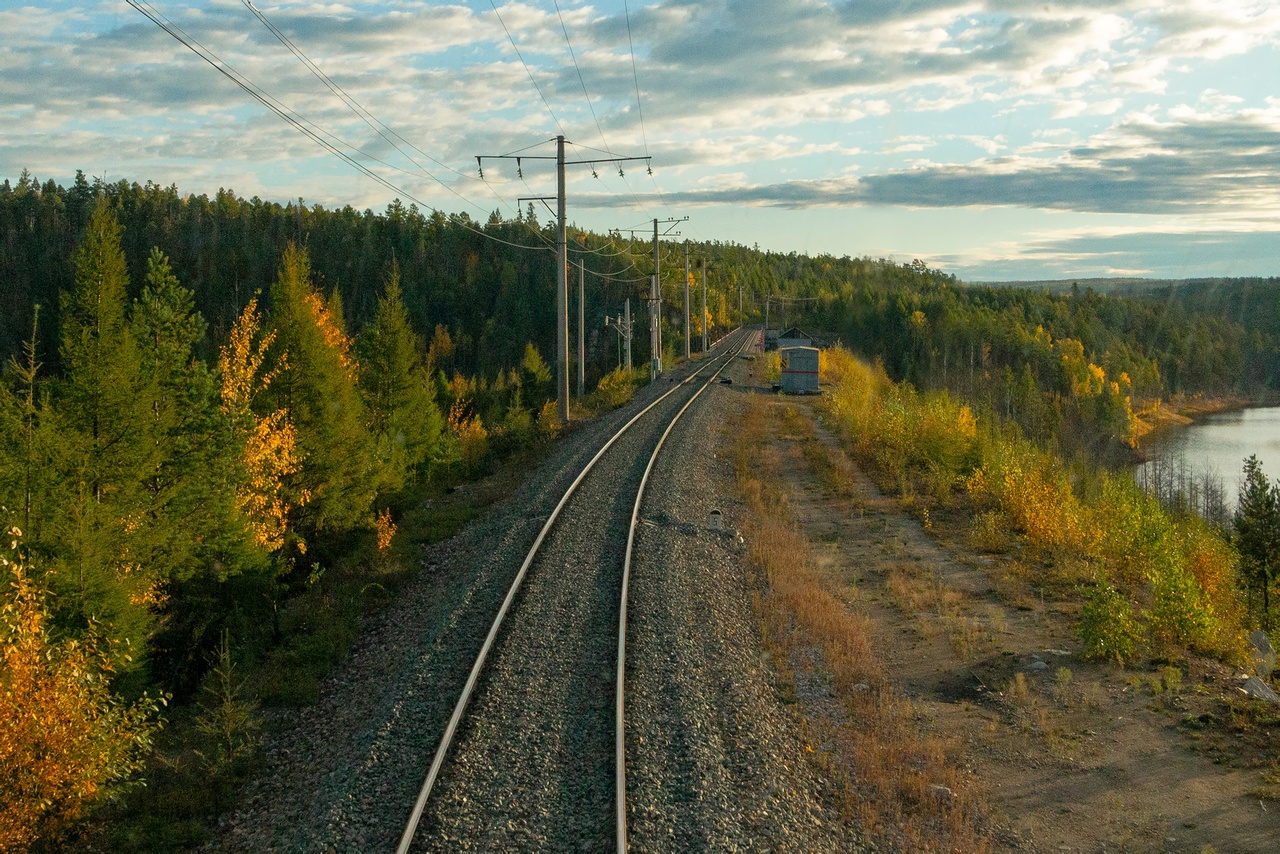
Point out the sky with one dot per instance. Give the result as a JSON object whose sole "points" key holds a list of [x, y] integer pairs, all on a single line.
{"points": [[995, 140]]}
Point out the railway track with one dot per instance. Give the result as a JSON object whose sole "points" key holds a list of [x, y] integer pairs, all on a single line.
{"points": [[534, 754]]}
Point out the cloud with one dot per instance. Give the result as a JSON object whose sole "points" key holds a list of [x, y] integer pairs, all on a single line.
{"points": [[787, 104], [1138, 166], [1172, 253]]}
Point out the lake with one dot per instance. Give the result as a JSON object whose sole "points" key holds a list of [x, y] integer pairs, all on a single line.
{"points": [[1215, 445]]}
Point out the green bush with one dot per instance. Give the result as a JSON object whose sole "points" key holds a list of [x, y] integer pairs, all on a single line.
{"points": [[1108, 627], [616, 388], [1179, 616]]}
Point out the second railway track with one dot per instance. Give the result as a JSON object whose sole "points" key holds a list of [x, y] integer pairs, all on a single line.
{"points": [[532, 762]]}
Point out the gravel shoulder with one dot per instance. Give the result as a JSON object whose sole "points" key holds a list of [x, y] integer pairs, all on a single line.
{"points": [[716, 760]]}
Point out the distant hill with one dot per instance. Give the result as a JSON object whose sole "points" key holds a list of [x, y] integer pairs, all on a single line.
{"points": [[1102, 286]]}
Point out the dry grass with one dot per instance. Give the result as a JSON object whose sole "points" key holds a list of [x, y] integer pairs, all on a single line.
{"points": [[935, 606], [894, 779], [969, 637], [1011, 581], [912, 594], [834, 472]]}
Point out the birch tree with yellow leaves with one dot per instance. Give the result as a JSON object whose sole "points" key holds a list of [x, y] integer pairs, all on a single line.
{"points": [[66, 741], [271, 455]]}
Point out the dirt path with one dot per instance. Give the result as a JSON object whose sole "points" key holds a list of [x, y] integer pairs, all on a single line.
{"points": [[1072, 756]]}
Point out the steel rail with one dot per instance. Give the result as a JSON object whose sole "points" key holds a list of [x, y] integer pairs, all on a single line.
{"points": [[619, 740], [446, 741]]}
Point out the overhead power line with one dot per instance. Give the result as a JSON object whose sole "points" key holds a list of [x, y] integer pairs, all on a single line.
{"points": [[573, 57], [388, 134], [538, 88], [310, 129], [635, 75]]}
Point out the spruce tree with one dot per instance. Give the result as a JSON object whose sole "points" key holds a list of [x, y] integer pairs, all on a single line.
{"points": [[1257, 532], [192, 488], [98, 524], [317, 385], [403, 417]]}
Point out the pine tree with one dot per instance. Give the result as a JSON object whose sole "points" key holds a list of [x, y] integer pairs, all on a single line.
{"points": [[1257, 530], [403, 417], [317, 385]]}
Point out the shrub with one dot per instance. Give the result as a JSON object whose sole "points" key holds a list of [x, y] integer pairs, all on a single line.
{"points": [[989, 532], [65, 740], [1032, 491], [616, 388], [549, 419], [1183, 571], [1108, 628], [773, 366], [472, 437], [1179, 616]]}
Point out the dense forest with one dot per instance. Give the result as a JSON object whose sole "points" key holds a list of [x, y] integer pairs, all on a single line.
{"points": [[1071, 368], [208, 403]]}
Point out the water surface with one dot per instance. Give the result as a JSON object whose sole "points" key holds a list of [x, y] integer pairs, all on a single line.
{"points": [[1219, 443]]}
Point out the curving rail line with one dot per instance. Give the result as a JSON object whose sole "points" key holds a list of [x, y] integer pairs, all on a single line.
{"points": [[464, 699]]}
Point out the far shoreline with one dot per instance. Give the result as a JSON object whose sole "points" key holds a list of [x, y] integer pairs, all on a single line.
{"points": [[1159, 417]]}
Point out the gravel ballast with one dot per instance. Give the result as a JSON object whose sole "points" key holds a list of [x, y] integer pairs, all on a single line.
{"points": [[714, 758]]}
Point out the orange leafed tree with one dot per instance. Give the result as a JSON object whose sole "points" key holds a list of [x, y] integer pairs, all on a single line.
{"points": [[271, 451], [65, 739]]}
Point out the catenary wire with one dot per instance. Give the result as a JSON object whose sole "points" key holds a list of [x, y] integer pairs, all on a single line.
{"points": [[573, 57], [388, 134], [295, 120], [538, 88], [635, 75]]}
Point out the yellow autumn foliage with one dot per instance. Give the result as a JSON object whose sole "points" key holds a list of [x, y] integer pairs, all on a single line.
{"points": [[385, 530], [240, 360], [469, 431], [65, 740], [1175, 579], [271, 452], [270, 455], [549, 418], [332, 332]]}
